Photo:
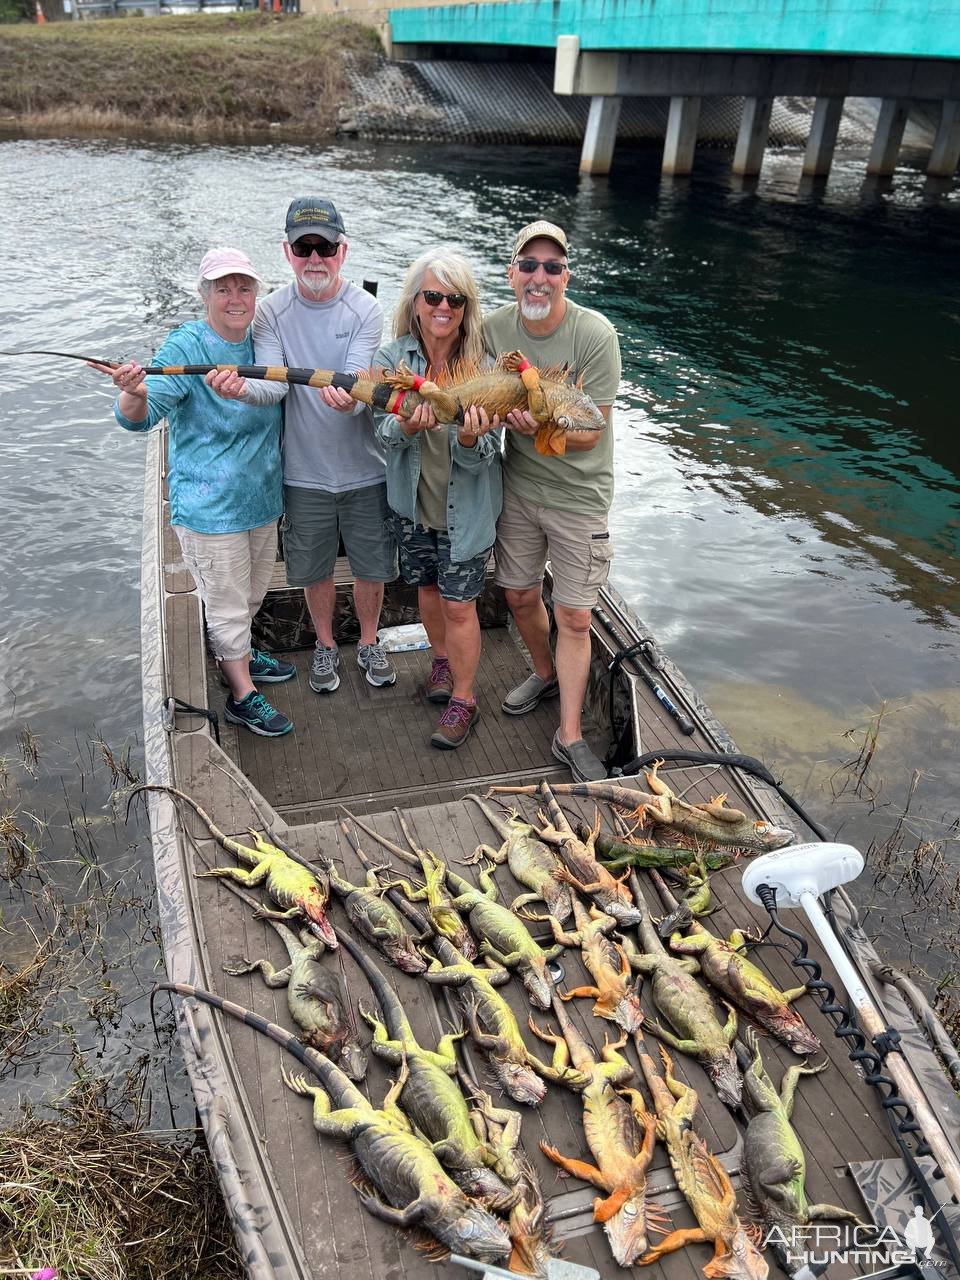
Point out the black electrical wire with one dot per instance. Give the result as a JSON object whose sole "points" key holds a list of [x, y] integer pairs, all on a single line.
{"points": [[900, 1117]]}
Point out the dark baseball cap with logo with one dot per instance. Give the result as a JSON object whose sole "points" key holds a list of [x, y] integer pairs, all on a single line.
{"points": [[312, 216]]}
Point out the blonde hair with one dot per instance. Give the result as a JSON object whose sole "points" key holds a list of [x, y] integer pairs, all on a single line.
{"points": [[453, 272]]}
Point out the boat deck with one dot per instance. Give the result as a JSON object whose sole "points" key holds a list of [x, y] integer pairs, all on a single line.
{"points": [[366, 749]]}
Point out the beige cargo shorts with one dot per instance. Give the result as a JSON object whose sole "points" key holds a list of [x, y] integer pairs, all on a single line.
{"points": [[576, 544]]}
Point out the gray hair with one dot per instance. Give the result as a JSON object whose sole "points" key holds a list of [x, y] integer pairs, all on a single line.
{"points": [[453, 272]]}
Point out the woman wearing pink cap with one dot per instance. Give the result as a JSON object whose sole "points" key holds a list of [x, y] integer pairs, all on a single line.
{"points": [[226, 489]]}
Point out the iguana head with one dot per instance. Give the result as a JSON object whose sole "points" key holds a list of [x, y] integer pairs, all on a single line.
{"points": [[483, 1184], [520, 1082], [738, 1260], [477, 1234], [627, 1231], [792, 1030], [629, 1013], [623, 912], [538, 984], [353, 1061], [722, 1070], [314, 907], [406, 957]]}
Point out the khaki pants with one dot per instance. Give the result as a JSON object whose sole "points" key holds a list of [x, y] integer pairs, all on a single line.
{"points": [[232, 572], [576, 544]]}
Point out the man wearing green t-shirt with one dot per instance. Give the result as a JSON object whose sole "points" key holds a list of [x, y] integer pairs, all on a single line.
{"points": [[555, 507]]}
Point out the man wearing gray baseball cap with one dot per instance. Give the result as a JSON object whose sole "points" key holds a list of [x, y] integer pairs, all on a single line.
{"points": [[334, 476]]}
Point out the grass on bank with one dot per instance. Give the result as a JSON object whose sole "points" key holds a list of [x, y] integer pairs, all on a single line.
{"points": [[225, 74]]}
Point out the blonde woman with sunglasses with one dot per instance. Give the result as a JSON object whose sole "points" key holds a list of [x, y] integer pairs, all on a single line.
{"points": [[443, 482]]}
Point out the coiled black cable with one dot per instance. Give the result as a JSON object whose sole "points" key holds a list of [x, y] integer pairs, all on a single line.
{"points": [[900, 1117]]}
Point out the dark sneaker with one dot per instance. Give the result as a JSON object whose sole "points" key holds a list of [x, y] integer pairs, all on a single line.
{"points": [[455, 724], [440, 681], [579, 759], [323, 669], [372, 659], [255, 713], [266, 669], [530, 694]]}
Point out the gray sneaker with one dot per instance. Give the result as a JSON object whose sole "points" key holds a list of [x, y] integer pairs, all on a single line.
{"points": [[579, 759], [529, 694], [372, 659], [323, 669]]}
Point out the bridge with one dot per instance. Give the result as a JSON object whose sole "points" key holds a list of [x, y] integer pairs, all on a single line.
{"points": [[898, 51]]}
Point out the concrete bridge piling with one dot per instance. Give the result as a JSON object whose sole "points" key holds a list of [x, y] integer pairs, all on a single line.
{"points": [[897, 51]]}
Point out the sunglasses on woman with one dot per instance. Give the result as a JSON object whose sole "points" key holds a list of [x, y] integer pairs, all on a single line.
{"points": [[529, 265], [325, 248], [433, 298]]}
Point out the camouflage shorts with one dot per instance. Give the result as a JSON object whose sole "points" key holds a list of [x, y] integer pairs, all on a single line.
{"points": [[425, 562]]}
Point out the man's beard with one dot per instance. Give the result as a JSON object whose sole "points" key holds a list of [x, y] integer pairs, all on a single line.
{"points": [[316, 281], [535, 310]]}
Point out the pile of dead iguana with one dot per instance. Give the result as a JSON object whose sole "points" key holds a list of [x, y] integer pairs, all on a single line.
{"points": [[436, 1152]]}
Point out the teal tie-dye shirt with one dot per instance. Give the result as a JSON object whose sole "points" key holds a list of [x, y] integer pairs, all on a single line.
{"points": [[224, 456]]}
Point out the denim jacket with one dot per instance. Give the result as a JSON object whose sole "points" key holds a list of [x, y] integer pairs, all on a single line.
{"points": [[475, 488]]}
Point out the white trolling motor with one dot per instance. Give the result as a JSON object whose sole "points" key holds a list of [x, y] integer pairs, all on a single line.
{"points": [[799, 874]]}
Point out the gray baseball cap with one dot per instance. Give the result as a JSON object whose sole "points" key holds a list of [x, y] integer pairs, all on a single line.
{"points": [[313, 216]]}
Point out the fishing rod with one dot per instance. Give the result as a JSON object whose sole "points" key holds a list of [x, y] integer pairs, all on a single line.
{"points": [[258, 372]]}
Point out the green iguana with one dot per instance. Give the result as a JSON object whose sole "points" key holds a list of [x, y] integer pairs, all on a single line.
{"points": [[397, 1162], [530, 861], [431, 1097], [300, 892], [712, 822], [772, 1161], [689, 1008], [620, 1138], [492, 1023], [444, 916], [726, 968], [504, 938]]}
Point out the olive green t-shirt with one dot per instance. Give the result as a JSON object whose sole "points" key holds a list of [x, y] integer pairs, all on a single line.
{"points": [[587, 342], [434, 479]]}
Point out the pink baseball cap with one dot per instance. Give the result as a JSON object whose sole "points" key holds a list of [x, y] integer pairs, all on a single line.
{"points": [[217, 263]]}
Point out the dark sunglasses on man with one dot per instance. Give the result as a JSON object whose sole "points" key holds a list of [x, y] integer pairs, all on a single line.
{"points": [[323, 248], [433, 298], [553, 267]]}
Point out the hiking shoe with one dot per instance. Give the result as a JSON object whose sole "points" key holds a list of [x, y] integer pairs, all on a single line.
{"points": [[579, 759], [455, 724], [530, 694], [372, 659], [323, 669], [266, 669], [440, 681], [255, 713]]}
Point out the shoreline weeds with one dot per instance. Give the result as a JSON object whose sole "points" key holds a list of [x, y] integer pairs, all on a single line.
{"points": [[233, 77]]}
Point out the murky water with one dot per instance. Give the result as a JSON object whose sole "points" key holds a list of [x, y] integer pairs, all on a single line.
{"points": [[788, 500]]}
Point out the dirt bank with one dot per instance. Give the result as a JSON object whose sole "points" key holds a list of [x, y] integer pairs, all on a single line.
{"points": [[231, 75]]}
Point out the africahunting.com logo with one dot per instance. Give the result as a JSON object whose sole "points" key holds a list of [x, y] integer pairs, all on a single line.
{"points": [[820, 1245]]}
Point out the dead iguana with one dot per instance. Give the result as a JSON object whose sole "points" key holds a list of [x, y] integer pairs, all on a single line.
{"points": [[504, 938], [712, 822], [300, 892], [375, 917], [433, 893], [584, 871], [689, 1009], [615, 995], [701, 1178], [432, 1097], [530, 1235], [492, 1023], [773, 1164], [530, 861], [724, 965], [313, 993], [396, 1161], [620, 1138]]}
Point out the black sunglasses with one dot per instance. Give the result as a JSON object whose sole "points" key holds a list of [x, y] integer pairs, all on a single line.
{"points": [[529, 265], [325, 248], [433, 298]]}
